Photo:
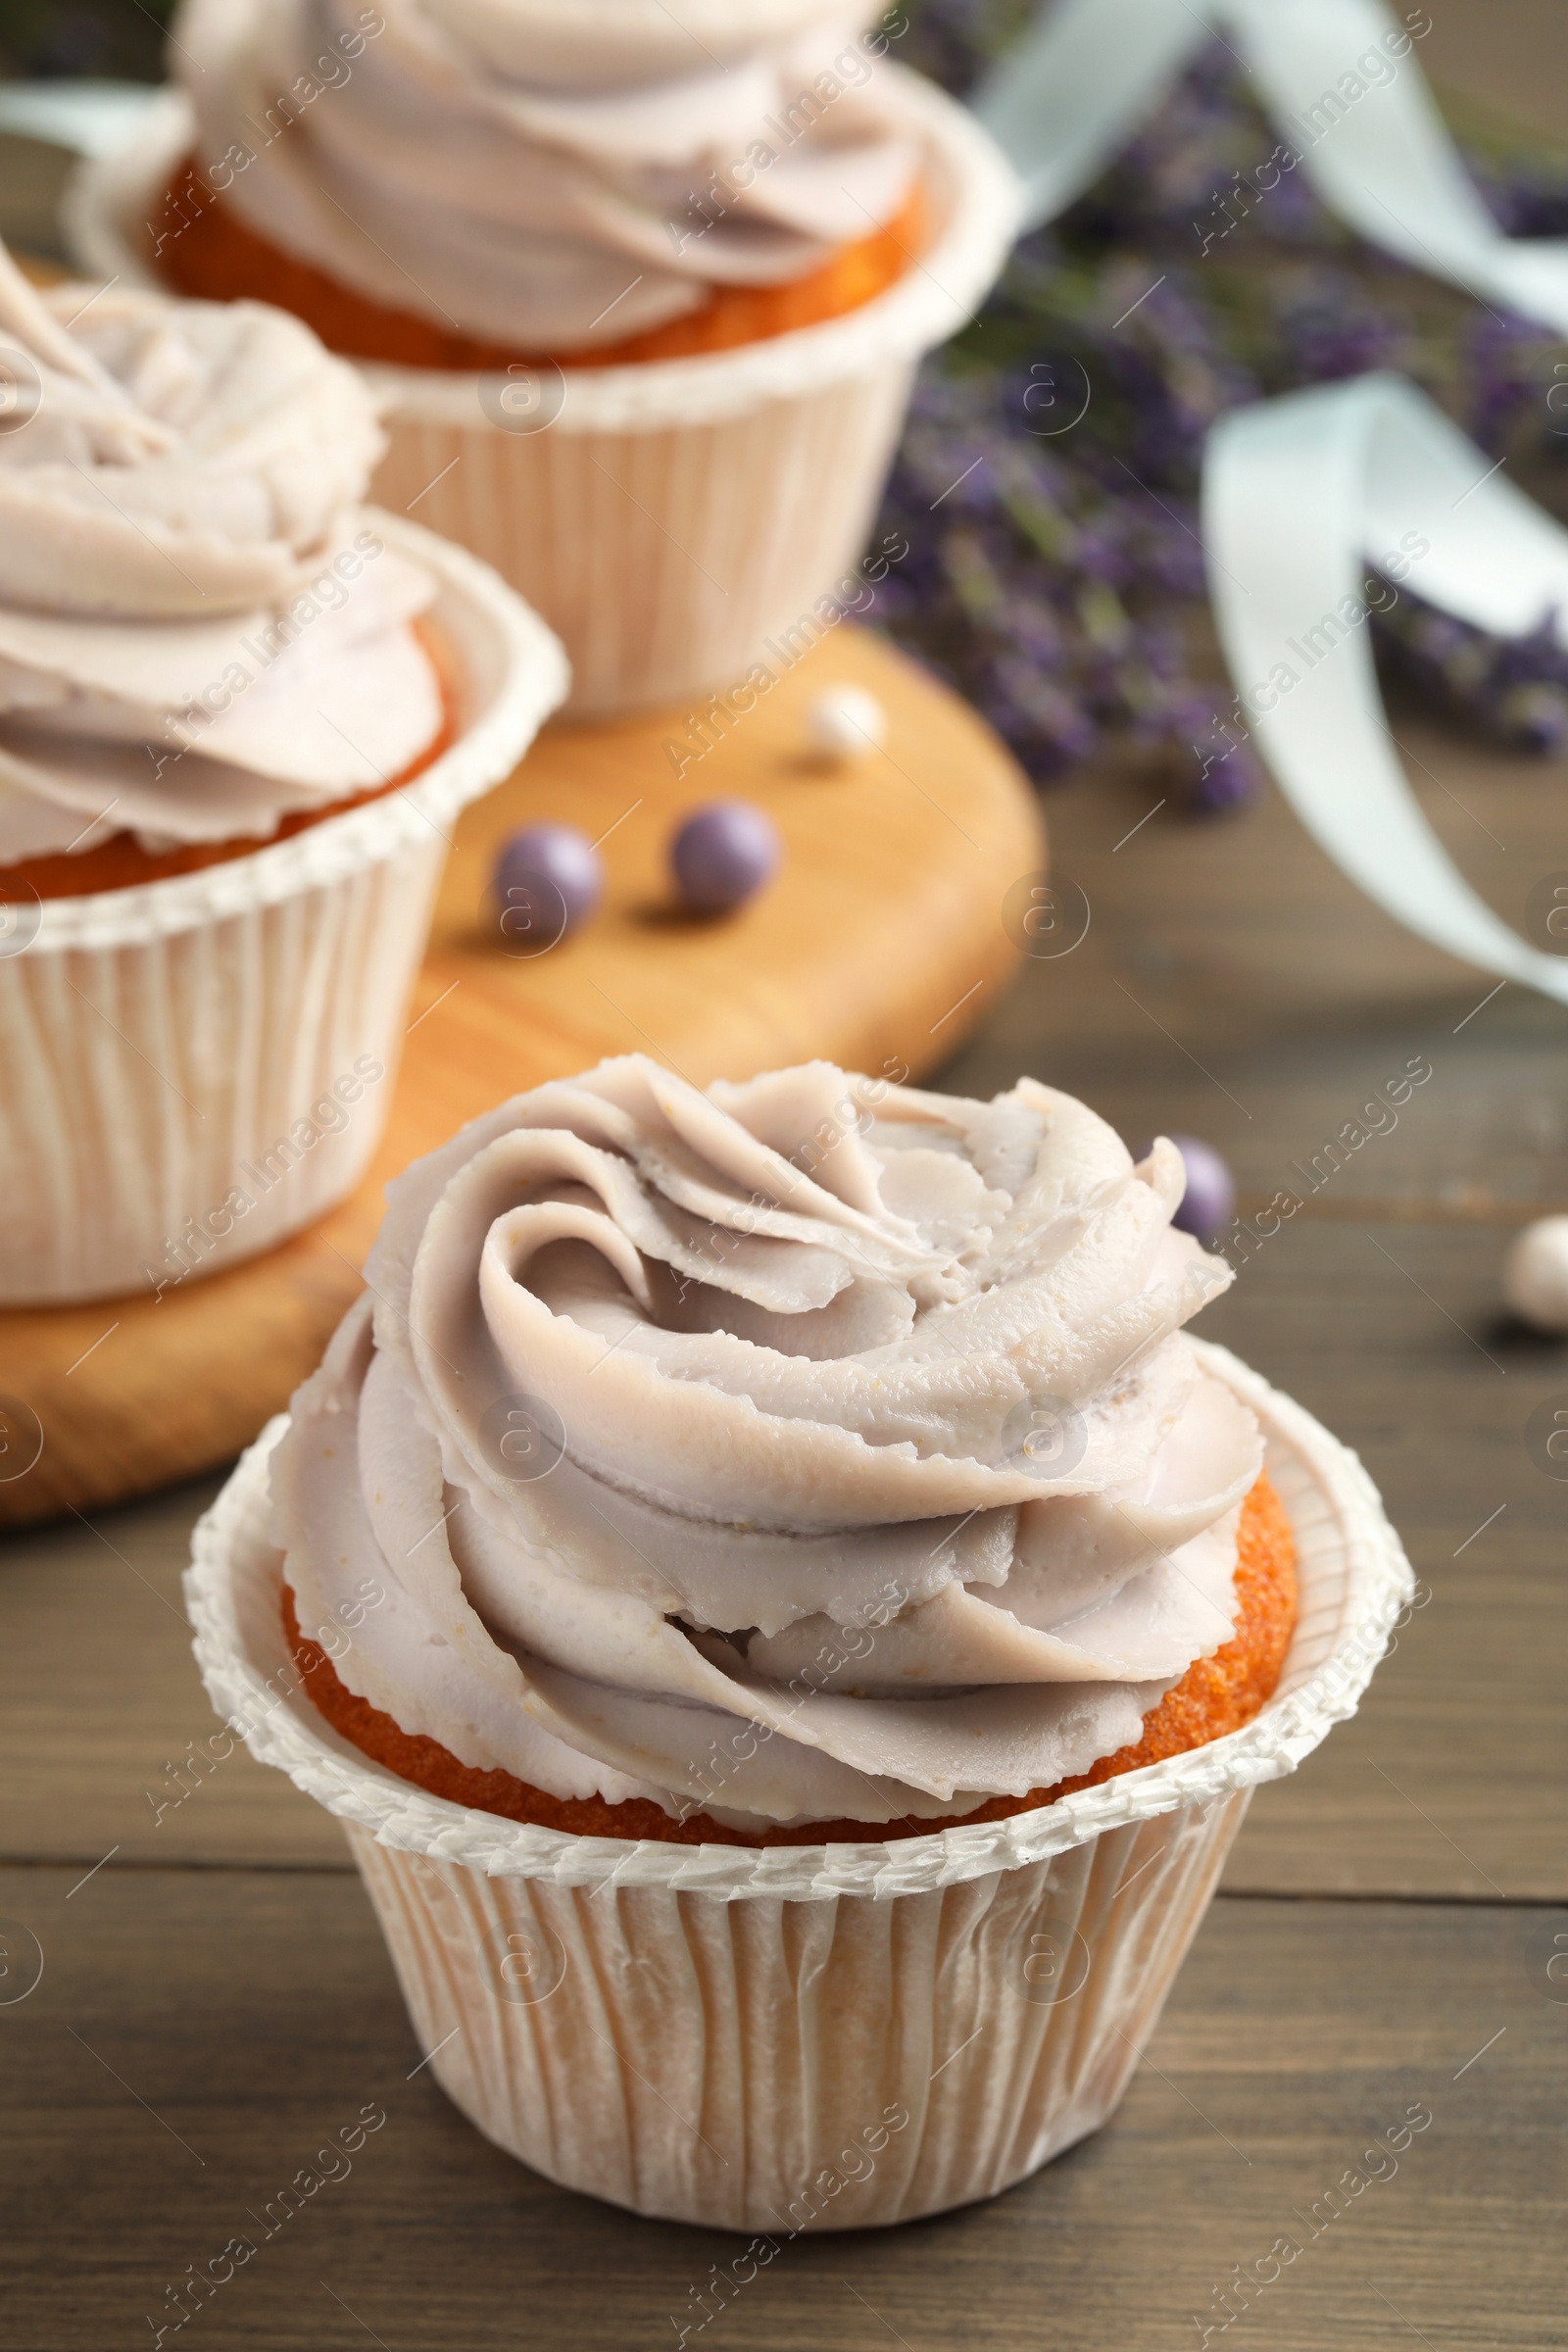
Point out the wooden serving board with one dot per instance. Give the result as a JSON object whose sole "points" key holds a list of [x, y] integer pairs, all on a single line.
{"points": [[881, 939]]}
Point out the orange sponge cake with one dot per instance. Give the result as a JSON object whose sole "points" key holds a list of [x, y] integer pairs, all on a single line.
{"points": [[465, 187], [1216, 1695], [218, 254]]}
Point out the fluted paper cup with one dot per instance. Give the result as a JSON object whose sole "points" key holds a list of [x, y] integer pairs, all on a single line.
{"points": [[790, 2037], [231, 1036], [671, 518]]}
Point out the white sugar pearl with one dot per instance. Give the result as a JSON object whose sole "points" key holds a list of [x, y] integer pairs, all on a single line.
{"points": [[847, 721], [1535, 1274]]}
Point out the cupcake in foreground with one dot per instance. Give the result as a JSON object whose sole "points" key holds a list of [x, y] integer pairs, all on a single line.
{"points": [[803, 1465], [789, 1621], [216, 671], [643, 288]]}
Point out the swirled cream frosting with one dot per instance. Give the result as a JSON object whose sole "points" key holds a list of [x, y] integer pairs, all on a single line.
{"points": [[529, 172], [807, 1449], [199, 634]]}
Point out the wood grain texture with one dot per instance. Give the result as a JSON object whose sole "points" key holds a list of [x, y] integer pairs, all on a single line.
{"points": [[197, 2036], [880, 944]]}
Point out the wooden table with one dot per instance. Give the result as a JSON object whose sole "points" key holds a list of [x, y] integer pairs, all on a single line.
{"points": [[216, 1997]]}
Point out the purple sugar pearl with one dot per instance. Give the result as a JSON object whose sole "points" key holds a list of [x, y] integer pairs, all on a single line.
{"points": [[1533, 718], [547, 880], [1209, 1201], [721, 854]]}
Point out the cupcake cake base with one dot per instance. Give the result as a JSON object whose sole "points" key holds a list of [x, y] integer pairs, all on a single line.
{"points": [[880, 942], [120, 862], [1217, 1696]]}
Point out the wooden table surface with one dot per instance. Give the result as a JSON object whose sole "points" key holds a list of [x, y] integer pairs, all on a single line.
{"points": [[215, 1996]]}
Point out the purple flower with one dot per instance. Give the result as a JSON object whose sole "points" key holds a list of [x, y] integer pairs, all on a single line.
{"points": [[1226, 784], [1329, 330], [1532, 718]]}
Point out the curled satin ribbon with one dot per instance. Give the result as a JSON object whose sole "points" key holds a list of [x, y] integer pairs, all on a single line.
{"points": [[1343, 85], [1299, 496]]}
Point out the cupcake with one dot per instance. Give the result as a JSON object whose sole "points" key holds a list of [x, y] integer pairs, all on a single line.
{"points": [[796, 1513], [592, 185], [238, 712], [644, 289]]}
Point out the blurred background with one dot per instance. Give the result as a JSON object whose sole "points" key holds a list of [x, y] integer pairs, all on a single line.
{"points": [[1062, 590]]}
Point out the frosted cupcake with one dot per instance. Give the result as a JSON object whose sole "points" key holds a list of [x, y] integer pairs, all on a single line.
{"points": [[656, 281], [801, 1506], [592, 184], [237, 713]]}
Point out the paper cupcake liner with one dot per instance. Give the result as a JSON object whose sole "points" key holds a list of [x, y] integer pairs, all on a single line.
{"points": [[729, 2036], [232, 1036], [672, 517]]}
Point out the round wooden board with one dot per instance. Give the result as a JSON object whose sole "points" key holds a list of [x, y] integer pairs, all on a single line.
{"points": [[881, 941]]}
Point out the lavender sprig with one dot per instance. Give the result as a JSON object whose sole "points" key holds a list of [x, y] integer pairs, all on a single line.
{"points": [[1055, 575]]}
